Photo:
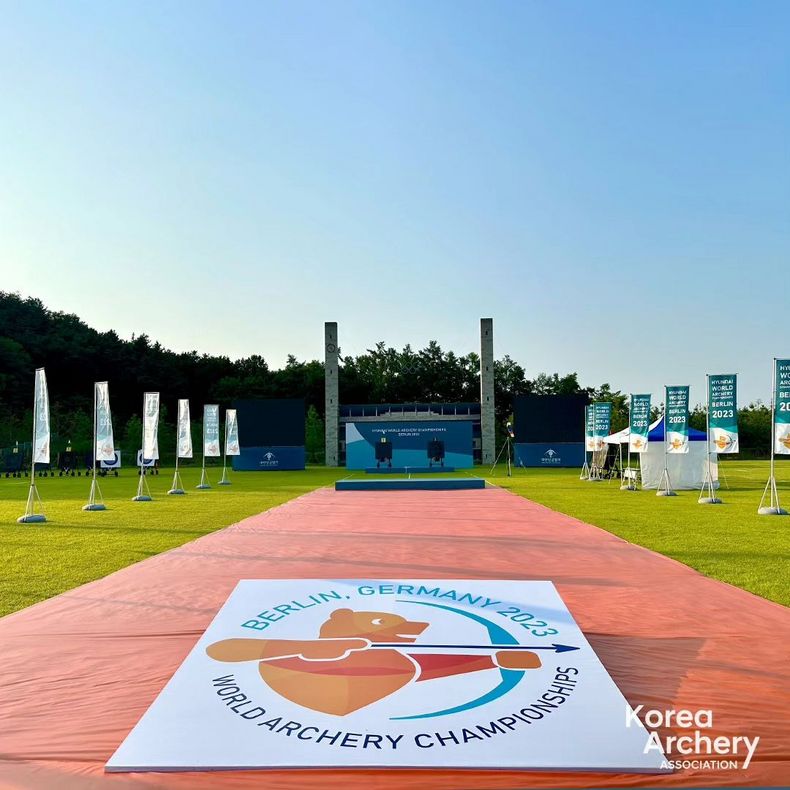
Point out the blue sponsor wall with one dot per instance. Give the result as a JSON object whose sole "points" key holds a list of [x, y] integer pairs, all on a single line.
{"points": [[269, 459], [548, 455], [271, 434], [409, 442]]}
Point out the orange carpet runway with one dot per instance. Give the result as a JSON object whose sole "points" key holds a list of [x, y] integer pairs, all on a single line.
{"points": [[79, 670]]}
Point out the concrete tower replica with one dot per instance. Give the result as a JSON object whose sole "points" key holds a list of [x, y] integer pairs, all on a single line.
{"points": [[331, 393], [487, 432]]}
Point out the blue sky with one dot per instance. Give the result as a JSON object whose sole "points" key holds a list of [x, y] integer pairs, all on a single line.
{"points": [[610, 181]]}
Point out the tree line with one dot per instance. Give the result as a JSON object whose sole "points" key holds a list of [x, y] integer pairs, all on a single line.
{"points": [[75, 355]]}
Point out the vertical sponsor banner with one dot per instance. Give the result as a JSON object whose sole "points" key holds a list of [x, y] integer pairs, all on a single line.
{"points": [[105, 445], [602, 415], [723, 412], [676, 422], [589, 429], [41, 419], [231, 433], [639, 423], [184, 447], [151, 426], [782, 408], [211, 430]]}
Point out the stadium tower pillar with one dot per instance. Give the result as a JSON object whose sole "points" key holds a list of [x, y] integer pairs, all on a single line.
{"points": [[331, 393], [487, 431]]}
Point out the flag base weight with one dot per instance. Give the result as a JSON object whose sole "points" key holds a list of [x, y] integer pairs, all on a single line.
{"points": [[176, 491], [143, 492], [33, 502], [33, 518], [628, 487], [773, 508], [707, 494], [204, 483], [95, 500], [664, 486], [224, 483]]}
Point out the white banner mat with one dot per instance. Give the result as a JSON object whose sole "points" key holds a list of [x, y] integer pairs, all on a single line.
{"points": [[398, 673]]}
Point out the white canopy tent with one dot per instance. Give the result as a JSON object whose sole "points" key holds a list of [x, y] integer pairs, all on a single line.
{"points": [[687, 471]]}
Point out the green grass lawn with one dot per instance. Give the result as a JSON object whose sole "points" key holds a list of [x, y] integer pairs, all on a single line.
{"points": [[729, 541], [38, 561]]}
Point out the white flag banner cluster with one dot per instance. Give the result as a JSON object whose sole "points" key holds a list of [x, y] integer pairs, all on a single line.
{"points": [[105, 446], [151, 426], [231, 433], [184, 430], [41, 419], [211, 446]]}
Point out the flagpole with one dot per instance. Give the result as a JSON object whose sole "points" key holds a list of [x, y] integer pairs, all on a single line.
{"points": [[204, 484], [178, 486], [30, 516], [774, 508], [33, 454], [711, 498], [585, 472], [629, 484], [203, 478], [774, 492], [33, 447], [639, 461], [224, 479], [143, 491], [95, 441], [629, 444], [92, 503], [707, 437], [664, 481], [595, 474]]}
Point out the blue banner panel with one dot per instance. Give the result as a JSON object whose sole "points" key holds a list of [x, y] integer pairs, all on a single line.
{"points": [[557, 455], [408, 443], [268, 459]]}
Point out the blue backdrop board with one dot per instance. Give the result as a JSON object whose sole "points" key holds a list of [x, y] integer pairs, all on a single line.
{"points": [[409, 442], [543, 454], [271, 434], [268, 459]]}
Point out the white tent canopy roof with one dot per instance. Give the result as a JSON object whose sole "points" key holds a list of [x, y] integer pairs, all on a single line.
{"points": [[621, 437]]}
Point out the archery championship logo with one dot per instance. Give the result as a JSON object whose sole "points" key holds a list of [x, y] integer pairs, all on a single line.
{"points": [[359, 658], [401, 673]]}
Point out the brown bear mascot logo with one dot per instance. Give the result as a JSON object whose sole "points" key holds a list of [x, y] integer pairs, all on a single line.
{"points": [[338, 673]]}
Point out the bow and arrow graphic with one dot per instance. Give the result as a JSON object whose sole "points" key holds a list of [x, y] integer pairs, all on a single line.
{"points": [[363, 657]]}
